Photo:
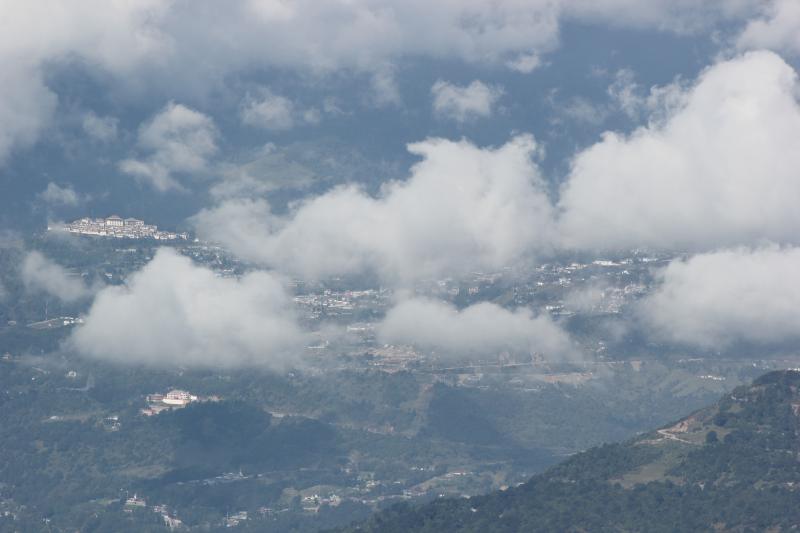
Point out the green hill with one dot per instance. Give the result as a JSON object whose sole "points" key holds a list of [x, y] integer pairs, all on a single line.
{"points": [[734, 466]]}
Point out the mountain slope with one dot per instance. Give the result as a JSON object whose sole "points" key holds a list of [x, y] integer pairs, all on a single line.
{"points": [[733, 466]]}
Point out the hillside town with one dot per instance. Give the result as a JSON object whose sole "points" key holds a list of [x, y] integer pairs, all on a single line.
{"points": [[116, 226]]}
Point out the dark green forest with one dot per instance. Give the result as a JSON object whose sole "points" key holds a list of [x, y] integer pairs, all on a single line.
{"points": [[731, 467]]}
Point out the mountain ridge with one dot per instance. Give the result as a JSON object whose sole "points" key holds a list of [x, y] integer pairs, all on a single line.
{"points": [[732, 466]]}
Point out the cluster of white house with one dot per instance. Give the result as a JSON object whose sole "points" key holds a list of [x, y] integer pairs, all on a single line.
{"points": [[135, 502], [115, 226]]}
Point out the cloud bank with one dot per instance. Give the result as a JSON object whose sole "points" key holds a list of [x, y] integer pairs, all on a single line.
{"points": [[110, 36], [173, 312], [721, 170], [480, 329], [187, 46], [716, 166], [462, 208], [716, 299], [38, 273]]}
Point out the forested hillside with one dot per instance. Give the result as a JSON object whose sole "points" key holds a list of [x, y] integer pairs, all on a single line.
{"points": [[730, 467]]}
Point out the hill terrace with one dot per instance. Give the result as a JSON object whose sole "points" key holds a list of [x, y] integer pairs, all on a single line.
{"points": [[115, 226]]}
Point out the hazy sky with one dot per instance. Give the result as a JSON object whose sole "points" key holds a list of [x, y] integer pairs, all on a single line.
{"points": [[408, 139]]}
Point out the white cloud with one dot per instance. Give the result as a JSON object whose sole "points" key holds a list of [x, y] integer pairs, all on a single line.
{"points": [[720, 170], [479, 329], [102, 129], [624, 92], [716, 299], [188, 46], [658, 105], [61, 196], [312, 115], [242, 225], [174, 312], [525, 63], [588, 299], [777, 29], [384, 91], [476, 100], [463, 207], [715, 166], [269, 111], [26, 107], [177, 140], [680, 16], [38, 273], [581, 110], [114, 36], [368, 34]]}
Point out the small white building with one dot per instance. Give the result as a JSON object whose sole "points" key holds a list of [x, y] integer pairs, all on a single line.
{"points": [[178, 397], [135, 501], [133, 223], [115, 221]]}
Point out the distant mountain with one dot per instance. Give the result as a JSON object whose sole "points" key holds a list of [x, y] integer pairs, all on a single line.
{"points": [[734, 466]]}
